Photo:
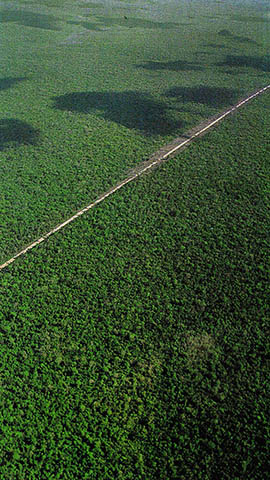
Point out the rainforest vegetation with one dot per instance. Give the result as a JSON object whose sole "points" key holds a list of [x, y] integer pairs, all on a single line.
{"points": [[134, 343]]}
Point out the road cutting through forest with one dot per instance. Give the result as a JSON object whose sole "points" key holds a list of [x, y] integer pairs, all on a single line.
{"points": [[160, 156]]}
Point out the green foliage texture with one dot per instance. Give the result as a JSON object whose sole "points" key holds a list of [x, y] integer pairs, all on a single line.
{"points": [[135, 342]]}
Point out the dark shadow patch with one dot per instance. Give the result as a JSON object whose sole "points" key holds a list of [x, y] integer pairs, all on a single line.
{"points": [[51, 3], [89, 26], [242, 18], [237, 38], [91, 5], [245, 40], [47, 3], [204, 52], [130, 22], [210, 16], [8, 82], [260, 63], [29, 19], [212, 96], [15, 132], [214, 45], [134, 110], [177, 66], [235, 72], [225, 33]]}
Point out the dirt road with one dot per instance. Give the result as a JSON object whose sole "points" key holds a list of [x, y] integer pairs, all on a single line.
{"points": [[162, 155]]}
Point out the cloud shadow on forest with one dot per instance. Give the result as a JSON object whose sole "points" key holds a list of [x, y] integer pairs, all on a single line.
{"points": [[212, 96], [91, 5], [176, 66], [88, 25], [134, 110], [203, 52], [8, 82], [214, 45], [47, 3], [245, 40], [130, 22], [29, 19], [227, 34], [246, 18], [16, 132], [260, 63]]}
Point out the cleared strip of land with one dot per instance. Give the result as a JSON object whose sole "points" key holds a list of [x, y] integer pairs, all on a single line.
{"points": [[160, 156]]}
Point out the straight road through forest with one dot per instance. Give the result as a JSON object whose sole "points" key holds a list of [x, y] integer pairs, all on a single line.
{"points": [[162, 155]]}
